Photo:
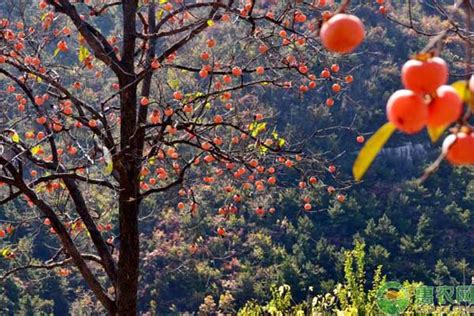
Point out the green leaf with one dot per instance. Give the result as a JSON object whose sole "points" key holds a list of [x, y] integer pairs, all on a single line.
{"points": [[56, 52], [109, 164], [436, 132], [174, 84], [371, 149], [83, 53], [173, 81]]}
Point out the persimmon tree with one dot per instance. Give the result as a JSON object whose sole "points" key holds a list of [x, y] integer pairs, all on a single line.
{"points": [[130, 99]]}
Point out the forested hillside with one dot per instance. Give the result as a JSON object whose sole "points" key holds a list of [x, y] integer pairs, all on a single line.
{"points": [[210, 240]]}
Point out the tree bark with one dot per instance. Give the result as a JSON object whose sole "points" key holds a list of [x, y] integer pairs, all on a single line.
{"points": [[129, 206], [130, 160], [128, 272]]}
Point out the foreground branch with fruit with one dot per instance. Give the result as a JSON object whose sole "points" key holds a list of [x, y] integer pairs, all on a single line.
{"points": [[427, 101]]}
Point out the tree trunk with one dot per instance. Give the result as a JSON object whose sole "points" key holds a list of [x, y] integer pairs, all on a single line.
{"points": [[129, 205], [130, 165], [128, 272]]}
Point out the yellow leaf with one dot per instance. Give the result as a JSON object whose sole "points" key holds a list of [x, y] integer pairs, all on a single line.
{"points": [[56, 52], [436, 132], [210, 23], [108, 169], [160, 14], [37, 78], [371, 149], [35, 150], [462, 88], [257, 128], [15, 138], [262, 149], [83, 53], [281, 142]]}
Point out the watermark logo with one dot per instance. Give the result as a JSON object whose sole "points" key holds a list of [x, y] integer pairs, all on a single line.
{"points": [[392, 298]]}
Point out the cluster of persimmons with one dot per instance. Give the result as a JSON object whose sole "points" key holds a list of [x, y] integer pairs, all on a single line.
{"points": [[427, 101]]}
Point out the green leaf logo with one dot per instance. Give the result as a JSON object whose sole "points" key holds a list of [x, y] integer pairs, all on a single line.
{"points": [[392, 298]]}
